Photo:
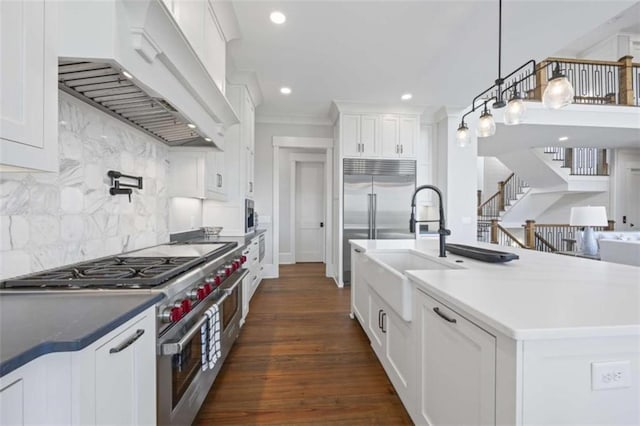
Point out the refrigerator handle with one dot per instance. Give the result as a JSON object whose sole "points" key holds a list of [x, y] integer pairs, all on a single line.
{"points": [[374, 213], [369, 218]]}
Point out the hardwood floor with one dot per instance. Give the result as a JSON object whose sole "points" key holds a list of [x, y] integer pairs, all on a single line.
{"points": [[300, 359]]}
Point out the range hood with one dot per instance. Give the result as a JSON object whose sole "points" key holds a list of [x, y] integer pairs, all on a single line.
{"points": [[129, 59]]}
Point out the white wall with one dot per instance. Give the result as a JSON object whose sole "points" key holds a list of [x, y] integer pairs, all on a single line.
{"points": [[494, 172], [457, 179], [49, 220], [560, 211], [264, 174], [184, 214]]}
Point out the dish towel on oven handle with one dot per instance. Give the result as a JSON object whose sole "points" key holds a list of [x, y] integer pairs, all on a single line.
{"points": [[210, 338]]}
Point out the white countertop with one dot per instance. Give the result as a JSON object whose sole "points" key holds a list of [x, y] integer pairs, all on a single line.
{"points": [[539, 296]]}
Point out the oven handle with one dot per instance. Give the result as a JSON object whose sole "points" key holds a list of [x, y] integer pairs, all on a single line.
{"points": [[173, 348]]}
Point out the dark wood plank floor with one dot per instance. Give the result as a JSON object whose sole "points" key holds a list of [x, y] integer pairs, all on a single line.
{"points": [[300, 359]]}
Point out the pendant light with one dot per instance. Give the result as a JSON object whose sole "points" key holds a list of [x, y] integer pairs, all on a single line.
{"points": [[515, 108], [559, 91], [557, 94], [486, 124], [463, 136]]}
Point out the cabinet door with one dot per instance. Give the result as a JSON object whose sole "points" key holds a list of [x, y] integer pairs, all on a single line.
{"points": [[211, 174], [390, 130], [399, 352], [187, 174], [28, 86], [350, 135], [359, 289], [376, 328], [457, 361], [220, 167], [125, 376], [409, 129], [369, 135], [249, 163]]}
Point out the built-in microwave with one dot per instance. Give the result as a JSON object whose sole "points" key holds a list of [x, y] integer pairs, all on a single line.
{"points": [[249, 216]]}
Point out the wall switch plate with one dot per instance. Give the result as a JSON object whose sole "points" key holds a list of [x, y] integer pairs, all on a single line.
{"points": [[610, 375]]}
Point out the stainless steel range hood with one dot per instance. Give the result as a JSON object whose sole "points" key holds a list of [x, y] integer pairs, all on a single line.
{"points": [[129, 59], [108, 89]]}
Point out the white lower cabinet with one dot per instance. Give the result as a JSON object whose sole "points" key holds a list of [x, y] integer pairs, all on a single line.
{"points": [[114, 378], [457, 367], [359, 291], [391, 340], [37, 393]]}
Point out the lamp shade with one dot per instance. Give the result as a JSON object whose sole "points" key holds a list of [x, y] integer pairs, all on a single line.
{"points": [[486, 125], [463, 136], [588, 216], [558, 93]]}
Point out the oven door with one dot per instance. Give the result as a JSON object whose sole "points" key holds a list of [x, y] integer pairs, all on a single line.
{"points": [[182, 383]]}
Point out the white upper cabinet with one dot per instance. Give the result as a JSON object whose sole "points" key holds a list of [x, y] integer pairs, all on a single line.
{"points": [[399, 135], [408, 136], [200, 26], [28, 86], [197, 173], [360, 135]]}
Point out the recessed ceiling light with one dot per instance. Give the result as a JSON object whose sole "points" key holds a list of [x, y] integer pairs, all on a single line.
{"points": [[285, 90], [406, 96], [277, 17], [563, 138], [126, 74], [191, 125]]}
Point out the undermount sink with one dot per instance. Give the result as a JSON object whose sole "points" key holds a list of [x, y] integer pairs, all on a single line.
{"points": [[385, 273]]}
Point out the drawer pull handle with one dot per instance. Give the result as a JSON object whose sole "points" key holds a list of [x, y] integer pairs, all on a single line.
{"points": [[358, 250], [443, 316], [130, 341]]}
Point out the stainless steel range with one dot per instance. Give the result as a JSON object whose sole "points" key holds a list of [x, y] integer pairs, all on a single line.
{"points": [[197, 279]]}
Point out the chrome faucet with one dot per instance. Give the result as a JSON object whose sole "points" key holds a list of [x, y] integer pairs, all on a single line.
{"points": [[442, 231]]}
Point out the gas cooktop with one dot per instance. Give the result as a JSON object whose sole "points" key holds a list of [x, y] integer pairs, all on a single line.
{"points": [[140, 269]]}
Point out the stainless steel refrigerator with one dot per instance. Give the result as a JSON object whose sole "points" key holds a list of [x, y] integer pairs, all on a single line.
{"points": [[377, 202]]}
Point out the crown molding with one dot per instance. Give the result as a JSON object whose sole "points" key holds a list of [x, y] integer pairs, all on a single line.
{"points": [[308, 120], [369, 108], [250, 80]]}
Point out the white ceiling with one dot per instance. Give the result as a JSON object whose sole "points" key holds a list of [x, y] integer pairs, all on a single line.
{"points": [[444, 52]]}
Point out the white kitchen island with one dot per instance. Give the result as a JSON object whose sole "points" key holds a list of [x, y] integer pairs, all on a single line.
{"points": [[545, 339]]}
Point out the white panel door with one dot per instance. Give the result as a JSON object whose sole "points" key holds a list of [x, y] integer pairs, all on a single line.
{"points": [[309, 212], [631, 200]]}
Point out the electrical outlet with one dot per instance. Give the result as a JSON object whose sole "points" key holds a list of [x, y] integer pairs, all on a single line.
{"points": [[610, 375]]}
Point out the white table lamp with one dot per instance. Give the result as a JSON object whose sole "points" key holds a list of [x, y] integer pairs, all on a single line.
{"points": [[588, 216]]}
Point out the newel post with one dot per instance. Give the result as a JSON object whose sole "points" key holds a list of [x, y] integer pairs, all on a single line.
{"points": [[625, 77], [541, 80], [530, 234], [479, 202], [494, 231], [610, 224], [501, 185]]}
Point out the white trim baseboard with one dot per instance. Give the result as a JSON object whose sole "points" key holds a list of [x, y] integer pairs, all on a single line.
{"points": [[286, 259]]}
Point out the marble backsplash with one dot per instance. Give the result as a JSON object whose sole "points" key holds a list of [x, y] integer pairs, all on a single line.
{"points": [[53, 219]]}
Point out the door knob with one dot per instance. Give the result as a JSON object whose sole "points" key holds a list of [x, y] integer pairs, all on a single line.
{"points": [[322, 225]]}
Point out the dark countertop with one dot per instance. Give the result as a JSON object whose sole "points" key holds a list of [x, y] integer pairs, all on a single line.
{"points": [[32, 325]]}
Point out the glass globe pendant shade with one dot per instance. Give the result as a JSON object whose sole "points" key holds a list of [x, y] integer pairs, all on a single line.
{"points": [[559, 91], [486, 125], [515, 111], [463, 135]]}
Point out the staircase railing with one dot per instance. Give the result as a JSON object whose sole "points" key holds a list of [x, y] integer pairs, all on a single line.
{"points": [[581, 161], [502, 236], [508, 190], [594, 82], [554, 237]]}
